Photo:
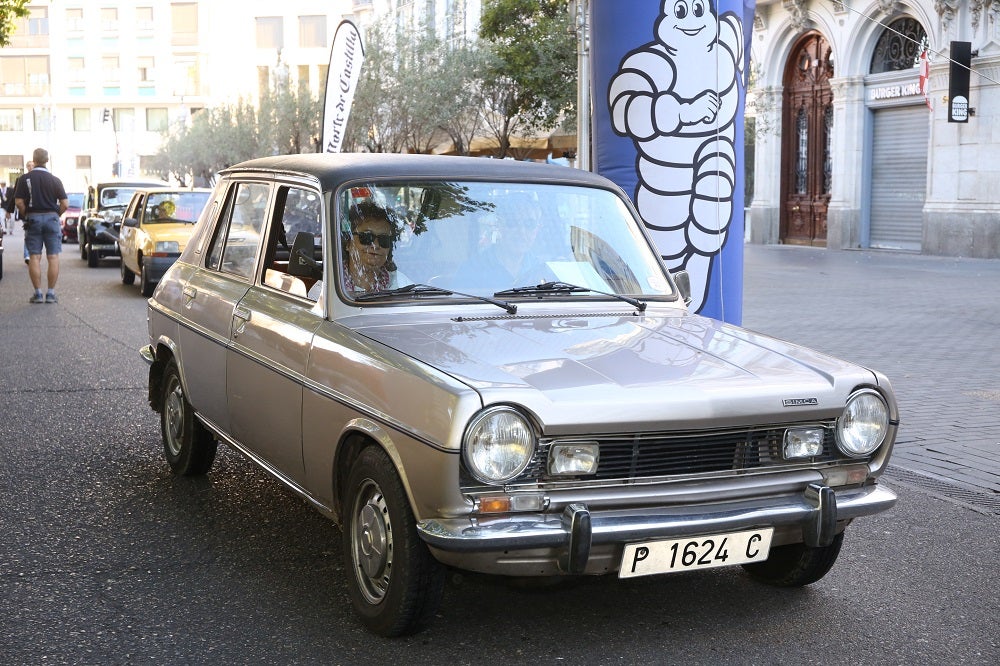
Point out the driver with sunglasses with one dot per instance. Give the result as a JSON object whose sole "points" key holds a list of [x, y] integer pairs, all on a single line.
{"points": [[368, 264]]}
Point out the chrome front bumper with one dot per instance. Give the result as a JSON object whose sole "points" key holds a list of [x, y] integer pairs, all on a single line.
{"points": [[817, 511]]}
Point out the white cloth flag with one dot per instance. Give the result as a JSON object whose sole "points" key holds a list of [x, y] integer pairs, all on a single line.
{"points": [[346, 56]]}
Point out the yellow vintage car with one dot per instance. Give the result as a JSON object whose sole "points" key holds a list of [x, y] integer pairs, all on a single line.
{"points": [[156, 227]]}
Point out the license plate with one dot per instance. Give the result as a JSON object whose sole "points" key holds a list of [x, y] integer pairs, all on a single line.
{"points": [[703, 552]]}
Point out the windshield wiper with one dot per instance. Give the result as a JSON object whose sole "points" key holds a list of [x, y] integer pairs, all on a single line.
{"points": [[557, 287], [431, 290]]}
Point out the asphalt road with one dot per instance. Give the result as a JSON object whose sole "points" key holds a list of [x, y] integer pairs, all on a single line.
{"points": [[106, 558]]}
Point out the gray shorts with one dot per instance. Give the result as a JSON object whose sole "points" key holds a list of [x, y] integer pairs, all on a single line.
{"points": [[43, 229]]}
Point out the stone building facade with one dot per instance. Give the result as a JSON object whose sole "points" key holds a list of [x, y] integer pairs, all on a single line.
{"points": [[849, 152]]}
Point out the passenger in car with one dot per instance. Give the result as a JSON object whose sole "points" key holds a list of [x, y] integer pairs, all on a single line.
{"points": [[367, 256]]}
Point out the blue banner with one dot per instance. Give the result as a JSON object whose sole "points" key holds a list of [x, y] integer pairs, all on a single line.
{"points": [[669, 84]]}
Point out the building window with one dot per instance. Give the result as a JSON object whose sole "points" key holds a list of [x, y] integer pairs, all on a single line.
{"points": [[184, 23], [109, 19], [42, 118], [304, 75], [11, 120], [74, 19], [75, 70], [144, 18], [186, 76], [263, 80], [828, 149], [110, 70], [156, 120], [83, 161], [269, 32], [146, 71], [81, 120], [899, 46], [123, 119], [312, 31], [24, 76], [321, 75], [38, 21]]}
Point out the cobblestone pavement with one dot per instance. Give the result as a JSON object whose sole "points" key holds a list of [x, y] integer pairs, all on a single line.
{"points": [[930, 323]]}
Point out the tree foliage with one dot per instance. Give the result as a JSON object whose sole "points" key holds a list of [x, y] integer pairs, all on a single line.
{"points": [[10, 11], [535, 51]]}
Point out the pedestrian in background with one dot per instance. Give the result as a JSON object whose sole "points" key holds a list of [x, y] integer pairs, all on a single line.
{"points": [[6, 207], [41, 198]]}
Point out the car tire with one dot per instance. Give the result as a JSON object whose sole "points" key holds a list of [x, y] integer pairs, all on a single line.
{"points": [[128, 277], [796, 564], [188, 446], [394, 582], [82, 241], [93, 258], [144, 282]]}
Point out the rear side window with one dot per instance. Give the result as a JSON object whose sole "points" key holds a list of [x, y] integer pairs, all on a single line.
{"points": [[237, 237]]}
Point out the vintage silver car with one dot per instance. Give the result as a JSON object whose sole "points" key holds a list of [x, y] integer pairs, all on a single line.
{"points": [[483, 364]]}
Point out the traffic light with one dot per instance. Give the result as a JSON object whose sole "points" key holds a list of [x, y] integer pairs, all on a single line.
{"points": [[107, 115]]}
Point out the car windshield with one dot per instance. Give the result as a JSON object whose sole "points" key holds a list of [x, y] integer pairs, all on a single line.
{"points": [[483, 238], [162, 207], [116, 196], [75, 199]]}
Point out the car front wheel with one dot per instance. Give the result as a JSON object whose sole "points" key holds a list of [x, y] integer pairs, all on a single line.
{"points": [[395, 584], [188, 446], [82, 241], [147, 285], [796, 564]]}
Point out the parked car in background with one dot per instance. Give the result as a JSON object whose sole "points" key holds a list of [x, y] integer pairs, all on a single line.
{"points": [[484, 364], [71, 216], [101, 218], [155, 230]]}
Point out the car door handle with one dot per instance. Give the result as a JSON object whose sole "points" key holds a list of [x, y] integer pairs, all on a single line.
{"points": [[240, 318]]}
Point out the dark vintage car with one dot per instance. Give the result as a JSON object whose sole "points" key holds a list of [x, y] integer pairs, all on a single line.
{"points": [[71, 216], [483, 364], [101, 218]]}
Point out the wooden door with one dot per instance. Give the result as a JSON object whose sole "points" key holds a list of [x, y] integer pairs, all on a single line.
{"points": [[806, 155]]}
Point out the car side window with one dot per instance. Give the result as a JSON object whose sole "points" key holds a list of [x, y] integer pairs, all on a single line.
{"points": [[298, 210], [234, 248]]}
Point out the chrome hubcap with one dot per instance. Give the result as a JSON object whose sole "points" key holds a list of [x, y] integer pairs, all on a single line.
{"points": [[372, 542], [173, 416]]}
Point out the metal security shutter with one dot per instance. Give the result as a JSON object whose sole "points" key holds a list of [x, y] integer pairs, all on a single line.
{"points": [[899, 177]]}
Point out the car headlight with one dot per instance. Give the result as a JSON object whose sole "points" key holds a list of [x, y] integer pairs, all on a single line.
{"points": [[165, 247], [864, 425], [498, 445]]}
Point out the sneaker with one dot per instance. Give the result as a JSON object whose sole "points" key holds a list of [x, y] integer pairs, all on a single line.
{"points": [[37, 298], [51, 298]]}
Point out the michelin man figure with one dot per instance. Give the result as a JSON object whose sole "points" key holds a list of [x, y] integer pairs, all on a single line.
{"points": [[677, 98]]}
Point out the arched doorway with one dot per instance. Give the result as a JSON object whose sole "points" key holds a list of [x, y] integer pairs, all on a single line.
{"points": [[806, 155]]}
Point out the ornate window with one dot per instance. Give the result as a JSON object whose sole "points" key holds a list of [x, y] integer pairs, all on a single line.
{"points": [[898, 47], [828, 149], [801, 150]]}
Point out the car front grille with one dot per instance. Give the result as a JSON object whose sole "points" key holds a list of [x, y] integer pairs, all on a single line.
{"points": [[637, 456]]}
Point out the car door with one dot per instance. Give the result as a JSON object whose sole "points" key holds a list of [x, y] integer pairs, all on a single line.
{"points": [[128, 237], [272, 337], [225, 270]]}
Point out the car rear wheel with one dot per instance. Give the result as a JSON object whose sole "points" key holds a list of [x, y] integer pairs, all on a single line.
{"points": [[797, 564], [395, 584], [128, 277], [188, 446]]}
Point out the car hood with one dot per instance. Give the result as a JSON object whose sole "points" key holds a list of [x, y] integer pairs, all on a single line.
{"points": [[636, 371]]}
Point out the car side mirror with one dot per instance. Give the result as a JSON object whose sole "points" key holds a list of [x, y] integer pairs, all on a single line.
{"points": [[301, 262], [683, 281], [130, 222]]}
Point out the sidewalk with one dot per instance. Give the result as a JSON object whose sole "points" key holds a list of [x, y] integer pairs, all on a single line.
{"points": [[930, 323]]}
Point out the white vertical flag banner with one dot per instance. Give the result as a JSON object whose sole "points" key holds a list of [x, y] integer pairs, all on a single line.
{"points": [[346, 56]]}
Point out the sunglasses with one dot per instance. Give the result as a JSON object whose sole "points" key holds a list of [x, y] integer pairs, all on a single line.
{"points": [[369, 237]]}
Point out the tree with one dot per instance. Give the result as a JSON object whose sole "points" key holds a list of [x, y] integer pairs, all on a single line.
{"points": [[535, 62], [10, 11]]}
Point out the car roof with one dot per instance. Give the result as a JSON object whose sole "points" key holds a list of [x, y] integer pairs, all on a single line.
{"points": [[334, 169], [172, 190], [152, 182]]}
